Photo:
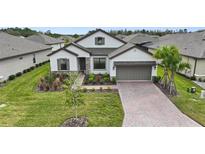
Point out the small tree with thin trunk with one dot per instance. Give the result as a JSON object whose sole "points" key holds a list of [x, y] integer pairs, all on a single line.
{"points": [[162, 54], [73, 97], [171, 60]]}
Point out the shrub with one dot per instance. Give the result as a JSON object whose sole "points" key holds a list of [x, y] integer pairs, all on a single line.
{"points": [[25, 71], [98, 78], [204, 80], [28, 70], [56, 84], [93, 89], [114, 80], [106, 75], [32, 67], [200, 80], [18, 74], [91, 78], [106, 79], [37, 65], [84, 90], [11, 77], [193, 78], [156, 79]]}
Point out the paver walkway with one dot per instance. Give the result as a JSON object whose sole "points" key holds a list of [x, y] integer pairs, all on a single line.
{"points": [[145, 105]]}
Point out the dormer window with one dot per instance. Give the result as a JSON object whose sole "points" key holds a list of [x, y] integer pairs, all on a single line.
{"points": [[99, 41]]}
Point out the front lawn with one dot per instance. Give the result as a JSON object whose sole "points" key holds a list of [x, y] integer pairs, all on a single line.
{"points": [[188, 103], [27, 107]]}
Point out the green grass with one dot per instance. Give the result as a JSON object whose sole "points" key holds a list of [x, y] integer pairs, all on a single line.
{"points": [[188, 103], [26, 107]]}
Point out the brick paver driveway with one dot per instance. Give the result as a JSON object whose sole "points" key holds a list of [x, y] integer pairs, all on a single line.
{"points": [[145, 105]]}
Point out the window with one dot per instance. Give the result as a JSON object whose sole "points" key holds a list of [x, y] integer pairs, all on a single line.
{"points": [[63, 64], [99, 41], [99, 63]]}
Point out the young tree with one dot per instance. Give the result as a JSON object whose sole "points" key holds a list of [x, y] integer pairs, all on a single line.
{"points": [[175, 65], [162, 54], [171, 60], [73, 97]]}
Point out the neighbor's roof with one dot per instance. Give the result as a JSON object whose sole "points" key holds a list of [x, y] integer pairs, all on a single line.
{"points": [[121, 50], [44, 39], [11, 46], [140, 38], [189, 44]]}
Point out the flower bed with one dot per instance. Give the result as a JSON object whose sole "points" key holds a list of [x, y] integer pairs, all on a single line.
{"points": [[53, 82], [99, 79]]}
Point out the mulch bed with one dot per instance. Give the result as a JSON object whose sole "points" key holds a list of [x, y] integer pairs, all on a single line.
{"points": [[76, 122], [165, 91]]}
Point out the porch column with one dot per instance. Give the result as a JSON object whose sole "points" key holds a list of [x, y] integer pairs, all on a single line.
{"points": [[87, 65]]}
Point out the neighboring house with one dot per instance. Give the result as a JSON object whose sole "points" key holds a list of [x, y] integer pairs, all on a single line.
{"points": [[17, 54], [120, 36], [67, 38], [141, 39], [192, 49], [100, 52], [55, 43]]}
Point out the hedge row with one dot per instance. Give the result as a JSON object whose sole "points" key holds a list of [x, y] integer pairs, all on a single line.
{"points": [[12, 77]]}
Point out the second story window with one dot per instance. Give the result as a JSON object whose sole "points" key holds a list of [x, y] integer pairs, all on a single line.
{"points": [[99, 41]]}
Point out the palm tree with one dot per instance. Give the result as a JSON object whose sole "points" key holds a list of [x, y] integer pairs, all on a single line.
{"points": [[171, 61], [162, 54]]}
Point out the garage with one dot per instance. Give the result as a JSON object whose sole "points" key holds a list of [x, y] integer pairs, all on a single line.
{"points": [[134, 72]]}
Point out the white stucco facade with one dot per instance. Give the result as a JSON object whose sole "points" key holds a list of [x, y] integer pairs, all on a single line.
{"points": [[11, 66], [110, 42], [131, 55], [78, 51], [200, 69], [63, 54]]}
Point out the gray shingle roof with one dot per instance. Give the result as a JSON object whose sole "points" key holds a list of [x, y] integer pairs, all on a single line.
{"points": [[190, 44], [100, 51], [140, 38], [121, 49], [44, 39], [11, 46]]}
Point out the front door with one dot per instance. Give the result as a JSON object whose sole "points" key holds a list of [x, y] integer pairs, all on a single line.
{"points": [[82, 64]]}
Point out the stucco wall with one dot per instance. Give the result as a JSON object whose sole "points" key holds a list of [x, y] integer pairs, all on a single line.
{"points": [[92, 70], [15, 65], [78, 51], [191, 61], [200, 68], [131, 55], [63, 54], [110, 42]]}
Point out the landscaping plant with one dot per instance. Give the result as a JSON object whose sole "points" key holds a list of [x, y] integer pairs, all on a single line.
{"points": [[171, 60], [73, 97]]}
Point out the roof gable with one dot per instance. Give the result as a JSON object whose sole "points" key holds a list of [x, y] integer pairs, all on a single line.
{"points": [[98, 30], [75, 54], [124, 49]]}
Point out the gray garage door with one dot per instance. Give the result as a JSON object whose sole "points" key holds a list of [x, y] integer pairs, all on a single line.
{"points": [[140, 72]]}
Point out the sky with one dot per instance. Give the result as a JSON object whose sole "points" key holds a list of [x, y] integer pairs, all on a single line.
{"points": [[84, 30]]}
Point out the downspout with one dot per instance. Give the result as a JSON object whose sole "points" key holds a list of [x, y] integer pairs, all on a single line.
{"points": [[195, 67]]}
